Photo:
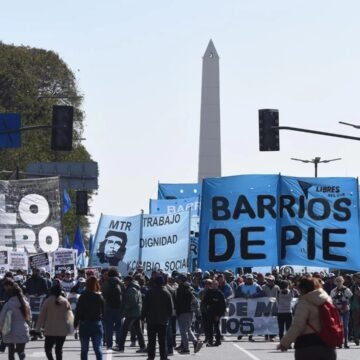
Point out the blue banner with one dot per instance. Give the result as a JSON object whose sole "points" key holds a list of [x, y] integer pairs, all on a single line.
{"points": [[178, 191], [165, 242], [235, 230], [116, 242], [270, 220], [319, 222]]}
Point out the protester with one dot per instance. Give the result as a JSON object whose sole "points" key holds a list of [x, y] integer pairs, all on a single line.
{"points": [[36, 285], [341, 296], [355, 308], [131, 310], [112, 293], [183, 299], [271, 290], [68, 282], [330, 283], [214, 306], [284, 302], [56, 320], [157, 310], [88, 316], [308, 344], [18, 310]]}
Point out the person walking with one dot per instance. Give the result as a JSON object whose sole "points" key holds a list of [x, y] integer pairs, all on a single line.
{"points": [[157, 310], [308, 344], [16, 309], [284, 302], [341, 296], [88, 317], [54, 319]]}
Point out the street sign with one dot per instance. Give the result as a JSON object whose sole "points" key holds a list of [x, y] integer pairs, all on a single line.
{"points": [[82, 175], [10, 124]]}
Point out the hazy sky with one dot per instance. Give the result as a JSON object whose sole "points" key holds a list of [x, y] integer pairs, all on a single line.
{"points": [[138, 64]]}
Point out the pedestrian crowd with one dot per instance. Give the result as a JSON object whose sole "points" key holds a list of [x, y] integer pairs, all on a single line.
{"points": [[110, 307]]}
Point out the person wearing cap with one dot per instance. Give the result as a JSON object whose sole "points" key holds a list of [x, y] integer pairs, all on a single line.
{"points": [[79, 287], [249, 290], [330, 283], [271, 290]]}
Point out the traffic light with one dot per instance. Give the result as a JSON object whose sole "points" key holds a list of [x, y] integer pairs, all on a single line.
{"points": [[81, 203], [62, 128], [268, 135]]}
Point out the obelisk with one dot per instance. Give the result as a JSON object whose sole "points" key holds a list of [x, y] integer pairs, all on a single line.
{"points": [[210, 139]]}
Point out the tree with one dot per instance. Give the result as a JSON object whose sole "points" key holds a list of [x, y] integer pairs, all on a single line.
{"points": [[31, 82]]}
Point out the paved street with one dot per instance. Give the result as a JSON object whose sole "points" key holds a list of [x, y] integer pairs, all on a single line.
{"points": [[259, 350]]}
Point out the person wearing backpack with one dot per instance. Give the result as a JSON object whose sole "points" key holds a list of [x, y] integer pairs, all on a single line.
{"points": [[341, 296], [306, 327]]}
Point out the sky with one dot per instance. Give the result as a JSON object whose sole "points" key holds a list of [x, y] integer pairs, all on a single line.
{"points": [[138, 65]]}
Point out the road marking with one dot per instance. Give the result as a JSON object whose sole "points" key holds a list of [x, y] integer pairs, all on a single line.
{"points": [[248, 353], [109, 355], [36, 354]]}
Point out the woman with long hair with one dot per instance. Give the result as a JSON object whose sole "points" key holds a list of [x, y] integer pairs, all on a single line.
{"points": [[54, 319], [88, 317], [18, 310], [306, 324]]}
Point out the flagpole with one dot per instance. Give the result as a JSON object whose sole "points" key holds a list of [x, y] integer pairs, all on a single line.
{"points": [[141, 235]]}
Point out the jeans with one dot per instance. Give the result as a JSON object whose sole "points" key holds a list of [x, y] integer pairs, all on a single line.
{"points": [[345, 317], [284, 321], [50, 341], [160, 330], [135, 322], [112, 322], [19, 348], [169, 338], [184, 321], [91, 330]]}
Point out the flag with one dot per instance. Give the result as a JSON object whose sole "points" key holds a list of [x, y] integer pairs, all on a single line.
{"points": [[67, 202], [80, 261], [66, 242], [78, 241]]}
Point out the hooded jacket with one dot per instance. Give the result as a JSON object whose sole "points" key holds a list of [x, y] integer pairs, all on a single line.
{"points": [[132, 301], [307, 310], [19, 333]]}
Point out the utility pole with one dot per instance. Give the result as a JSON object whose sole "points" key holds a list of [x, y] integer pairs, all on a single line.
{"points": [[316, 161]]}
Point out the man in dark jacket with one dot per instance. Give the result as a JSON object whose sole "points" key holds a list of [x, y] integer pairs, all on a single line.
{"points": [[36, 285], [183, 300], [157, 310], [131, 310], [112, 294], [214, 306]]}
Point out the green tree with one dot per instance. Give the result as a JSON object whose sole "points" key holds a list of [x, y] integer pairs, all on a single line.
{"points": [[31, 82]]}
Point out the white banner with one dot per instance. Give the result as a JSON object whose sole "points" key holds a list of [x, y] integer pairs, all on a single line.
{"points": [[165, 242], [64, 259], [250, 317], [4, 262], [18, 260]]}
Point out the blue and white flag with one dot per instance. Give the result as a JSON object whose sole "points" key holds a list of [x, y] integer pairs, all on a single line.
{"points": [[66, 242], [178, 191], [165, 242], [116, 243]]}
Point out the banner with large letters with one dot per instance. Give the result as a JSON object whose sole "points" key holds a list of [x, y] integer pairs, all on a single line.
{"points": [[165, 242], [273, 220], [116, 242], [250, 317], [30, 216]]}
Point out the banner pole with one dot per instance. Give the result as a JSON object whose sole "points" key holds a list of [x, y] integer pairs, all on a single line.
{"points": [[190, 269], [141, 235]]}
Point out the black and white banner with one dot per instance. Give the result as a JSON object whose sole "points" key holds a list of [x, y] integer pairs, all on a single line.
{"points": [[30, 214]]}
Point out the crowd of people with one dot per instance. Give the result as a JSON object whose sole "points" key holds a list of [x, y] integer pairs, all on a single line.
{"points": [[110, 307]]}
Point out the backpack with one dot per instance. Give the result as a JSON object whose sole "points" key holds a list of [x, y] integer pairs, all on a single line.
{"points": [[331, 329]]}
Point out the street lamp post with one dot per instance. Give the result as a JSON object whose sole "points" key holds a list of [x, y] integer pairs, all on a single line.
{"points": [[316, 161]]}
